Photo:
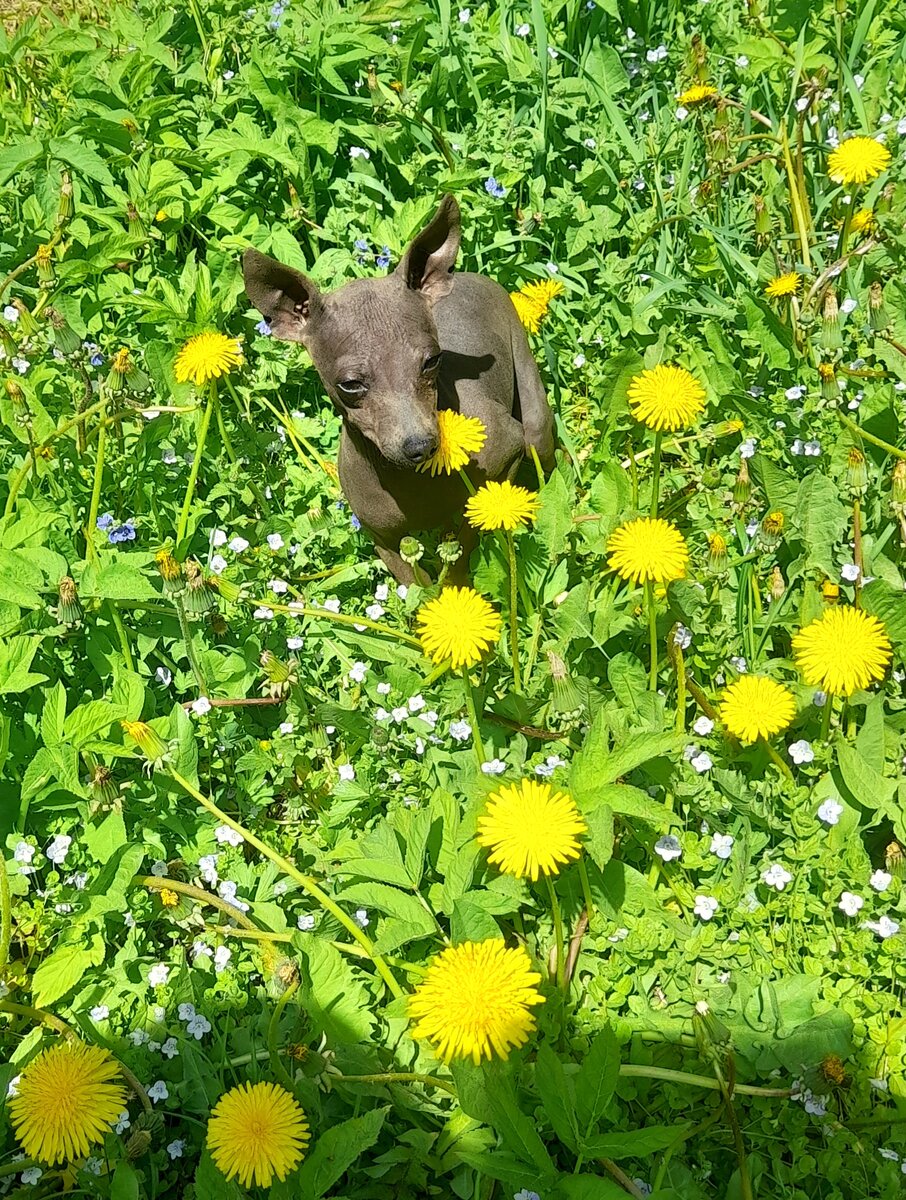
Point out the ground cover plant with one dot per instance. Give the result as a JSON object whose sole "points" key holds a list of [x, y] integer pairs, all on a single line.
{"points": [[584, 882]]}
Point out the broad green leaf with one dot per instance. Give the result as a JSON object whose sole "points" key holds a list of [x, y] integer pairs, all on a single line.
{"points": [[555, 516], [599, 763], [336, 1002], [125, 1184], [886, 603], [16, 654], [588, 1187], [63, 968], [211, 1183], [598, 841], [13, 158], [863, 781], [472, 923], [597, 1078], [635, 1143], [53, 715], [820, 518], [557, 1093], [82, 158], [334, 1150], [88, 720]]}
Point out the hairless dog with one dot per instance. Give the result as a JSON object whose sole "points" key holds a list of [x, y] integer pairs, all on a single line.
{"points": [[390, 353]]}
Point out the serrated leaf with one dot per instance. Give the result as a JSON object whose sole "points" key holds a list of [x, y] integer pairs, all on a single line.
{"points": [[63, 968], [13, 158], [635, 1143], [53, 714], [335, 1150], [596, 1079], [471, 923], [88, 720], [557, 1093], [82, 158], [863, 781], [337, 1003], [555, 516]]}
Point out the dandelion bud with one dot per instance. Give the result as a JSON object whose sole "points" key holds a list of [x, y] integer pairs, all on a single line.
{"points": [[450, 550], [69, 610], [830, 591], [229, 590], [762, 220], [895, 860], [877, 312], [139, 1144], [830, 389], [123, 371], [742, 488], [65, 337], [856, 470], [148, 740], [64, 211], [717, 553], [719, 143], [170, 571], [831, 338], [278, 676], [44, 263], [711, 477], [199, 597], [778, 584], [26, 324], [898, 484], [567, 697], [12, 389], [772, 528], [136, 225], [411, 550], [102, 787]]}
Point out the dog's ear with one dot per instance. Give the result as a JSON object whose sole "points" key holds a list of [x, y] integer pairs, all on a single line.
{"points": [[427, 265], [287, 299]]}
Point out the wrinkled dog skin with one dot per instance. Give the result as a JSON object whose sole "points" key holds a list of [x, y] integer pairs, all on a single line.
{"points": [[390, 353]]}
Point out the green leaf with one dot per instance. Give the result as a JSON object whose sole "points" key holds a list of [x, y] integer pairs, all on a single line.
{"points": [[16, 654], [636, 1143], [82, 158], [63, 968], [13, 158], [88, 720], [392, 901], [864, 783], [821, 520], [886, 603], [631, 801], [555, 516], [102, 841], [334, 998], [597, 1078], [471, 923], [557, 1094], [588, 1187], [599, 838], [53, 715], [506, 1168], [335, 1150], [598, 763], [124, 1185], [212, 1184]]}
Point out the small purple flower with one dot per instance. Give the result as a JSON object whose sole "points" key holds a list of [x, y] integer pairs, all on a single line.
{"points": [[493, 188], [122, 533], [355, 522], [105, 521], [97, 360], [383, 259], [263, 328], [361, 244]]}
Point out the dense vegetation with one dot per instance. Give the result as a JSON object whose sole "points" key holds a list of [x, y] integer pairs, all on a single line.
{"points": [[239, 803]]}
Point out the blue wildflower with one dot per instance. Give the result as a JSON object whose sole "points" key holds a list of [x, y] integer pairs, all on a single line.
{"points": [[355, 522], [493, 188], [97, 360], [361, 244], [383, 259], [105, 521], [263, 328], [122, 533]]}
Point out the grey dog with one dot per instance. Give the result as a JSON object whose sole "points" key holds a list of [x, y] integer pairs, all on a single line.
{"points": [[391, 352]]}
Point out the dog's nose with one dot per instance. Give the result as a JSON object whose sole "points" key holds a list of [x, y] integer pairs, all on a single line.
{"points": [[417, 449]]}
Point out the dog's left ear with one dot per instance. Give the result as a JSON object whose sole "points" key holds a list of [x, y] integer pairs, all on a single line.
{"points": [[427, 265]]}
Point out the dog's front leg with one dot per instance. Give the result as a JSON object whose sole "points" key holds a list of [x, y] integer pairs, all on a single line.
{"points": [[402, 571]]}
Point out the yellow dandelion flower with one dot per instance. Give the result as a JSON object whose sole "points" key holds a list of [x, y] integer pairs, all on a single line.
{"points": [[842, 651], [857, 160], [697, 94], [527, 311], [459, 625], [67, 1099], [648, 549], [207, 356], [257, 1131], [756, 707], [530, 829], [169, 898], [148, 740], [501, 506], [783, 285], [666, 398], [863, 221], [457, 438], [543, 292], [475, 1001]]}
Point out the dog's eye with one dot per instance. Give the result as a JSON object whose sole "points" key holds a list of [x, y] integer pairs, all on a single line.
{"points": [[431, 363], [352, 389]]}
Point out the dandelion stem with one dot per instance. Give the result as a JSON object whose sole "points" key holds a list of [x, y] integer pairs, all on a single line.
{"points": [[469, 485], [857, 551], [273, 1029], [398, 1077], [196, 463], [799, 222], [6, 917], [847, 223], [652, 634], [775, 757], [473, 717], [869, 437], [656, 473], [514, 614], [162, 883], [558, 933], [121, 634], [305, 881], [586, 892], [298, 610], [98, 473], [190, 647], [826, 719], [539, 470]]}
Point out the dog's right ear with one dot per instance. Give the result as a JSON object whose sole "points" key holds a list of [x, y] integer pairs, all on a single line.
{"points": [[287, 299]]}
